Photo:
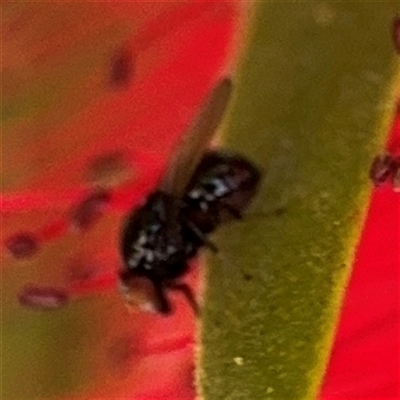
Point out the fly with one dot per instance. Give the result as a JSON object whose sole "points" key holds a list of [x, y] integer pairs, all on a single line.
{"points": [[200, 190]]}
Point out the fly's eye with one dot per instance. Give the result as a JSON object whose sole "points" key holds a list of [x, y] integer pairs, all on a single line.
{"points": [[137, 292]]}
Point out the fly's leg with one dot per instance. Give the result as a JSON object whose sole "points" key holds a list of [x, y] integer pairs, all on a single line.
{"points": [[232, 211], [188, 294], [163, 304], [202, 237]]}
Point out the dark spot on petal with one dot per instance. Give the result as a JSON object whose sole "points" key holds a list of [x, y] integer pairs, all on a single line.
{"points": [[121, 68], [381, 169], [43, 298], [396, 33], [22, 245], [120, 352], [109, 169], [78, 271], [90, 210]]}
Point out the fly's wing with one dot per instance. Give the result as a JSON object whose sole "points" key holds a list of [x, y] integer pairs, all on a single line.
{"points": [[194, 144]]}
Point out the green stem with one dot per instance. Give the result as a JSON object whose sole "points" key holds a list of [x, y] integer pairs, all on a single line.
{"points": [[315, 96]]}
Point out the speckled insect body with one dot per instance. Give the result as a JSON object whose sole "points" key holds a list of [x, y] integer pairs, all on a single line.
{"points": [[221, 188], [154, 246], [161, 237], [200, 190], [153, 240]]}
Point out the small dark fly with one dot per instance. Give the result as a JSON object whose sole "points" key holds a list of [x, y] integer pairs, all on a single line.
{"points": [[381, 169], [385, 168], [200, 190]]}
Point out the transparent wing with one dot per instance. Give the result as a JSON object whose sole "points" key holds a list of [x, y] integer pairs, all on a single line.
{"points": [[195, 142]]}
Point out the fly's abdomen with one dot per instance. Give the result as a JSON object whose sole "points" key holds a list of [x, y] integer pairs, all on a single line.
{"points": [[221, 189]]}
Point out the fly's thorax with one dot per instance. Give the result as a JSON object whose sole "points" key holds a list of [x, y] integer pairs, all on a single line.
{"points": [[157, 254]]}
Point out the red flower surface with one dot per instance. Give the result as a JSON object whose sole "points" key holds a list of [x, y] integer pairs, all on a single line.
{"points": [[365, 354]]}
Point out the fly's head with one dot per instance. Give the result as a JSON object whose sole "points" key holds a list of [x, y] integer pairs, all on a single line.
{"points": [[138, 292]]}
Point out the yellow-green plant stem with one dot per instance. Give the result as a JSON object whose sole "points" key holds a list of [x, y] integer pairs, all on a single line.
{"points": [[314, 100]]}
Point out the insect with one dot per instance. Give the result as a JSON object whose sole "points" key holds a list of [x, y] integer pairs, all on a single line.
{"points": [[200, 190], [385, 168]]}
